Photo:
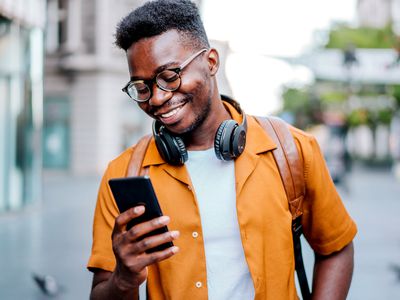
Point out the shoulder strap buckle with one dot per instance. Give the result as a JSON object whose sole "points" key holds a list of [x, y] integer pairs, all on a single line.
{"points": [[297, 227]]}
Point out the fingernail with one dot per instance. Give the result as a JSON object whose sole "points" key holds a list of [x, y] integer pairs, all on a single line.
{"points": [[174, 234], [138, 209], [174, 249], [163, 220]]}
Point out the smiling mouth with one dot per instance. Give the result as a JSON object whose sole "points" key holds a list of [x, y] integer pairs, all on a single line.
{"points": [[171, 113]]}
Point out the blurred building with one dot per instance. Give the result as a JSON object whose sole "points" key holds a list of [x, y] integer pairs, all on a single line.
{"points": [[379, 13], [21, 99], [87, 119]]}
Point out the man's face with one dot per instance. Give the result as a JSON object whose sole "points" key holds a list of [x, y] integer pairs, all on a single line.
{"points": [[186, 108]]}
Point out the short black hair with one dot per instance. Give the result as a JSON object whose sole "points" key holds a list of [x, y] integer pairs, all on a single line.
{"points": [[159, 16]]}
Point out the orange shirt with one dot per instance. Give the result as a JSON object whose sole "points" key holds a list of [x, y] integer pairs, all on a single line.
{"points": [[263, 216]]}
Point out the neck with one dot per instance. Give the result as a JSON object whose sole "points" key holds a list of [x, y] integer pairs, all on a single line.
{"points": [[202, 138]]}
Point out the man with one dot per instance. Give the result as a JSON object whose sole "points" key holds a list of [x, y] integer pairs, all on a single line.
{"points": [[227, 213]]}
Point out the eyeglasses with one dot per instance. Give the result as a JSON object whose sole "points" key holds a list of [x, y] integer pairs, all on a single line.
{"points": [[168, 80]]}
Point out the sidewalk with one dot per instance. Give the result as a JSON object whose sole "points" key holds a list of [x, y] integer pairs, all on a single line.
{"points": [[54, 238], [372, 197], [374, 203]]}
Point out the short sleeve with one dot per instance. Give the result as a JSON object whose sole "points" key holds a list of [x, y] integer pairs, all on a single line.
{"points": [[327, 225]]}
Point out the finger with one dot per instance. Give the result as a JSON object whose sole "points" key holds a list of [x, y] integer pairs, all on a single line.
{"points": [[151, 258], [155, 240], [122, 220], [137, 231]]}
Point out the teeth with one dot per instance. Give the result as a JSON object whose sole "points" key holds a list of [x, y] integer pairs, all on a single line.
{"points": [[171, 113]]}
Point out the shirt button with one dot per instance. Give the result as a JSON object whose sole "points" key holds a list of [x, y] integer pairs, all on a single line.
{"points": [[195, 234], [199, 284]]}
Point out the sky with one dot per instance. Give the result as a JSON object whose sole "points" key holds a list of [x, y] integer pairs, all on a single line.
{"points": [[259, 33]]}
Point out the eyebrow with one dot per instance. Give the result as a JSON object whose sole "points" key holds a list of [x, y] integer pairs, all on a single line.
{"points": [[170, 65]]}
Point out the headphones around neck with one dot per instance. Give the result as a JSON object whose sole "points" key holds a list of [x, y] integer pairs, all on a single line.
{"points": [[229, 141]]}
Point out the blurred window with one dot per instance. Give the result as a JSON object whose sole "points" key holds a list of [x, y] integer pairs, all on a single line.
{"points": [[57, 25], [4, 138], [19, 134], [56, 133], [62, 21]]}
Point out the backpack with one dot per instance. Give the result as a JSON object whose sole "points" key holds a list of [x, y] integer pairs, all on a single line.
{"points": [[290, 168]]}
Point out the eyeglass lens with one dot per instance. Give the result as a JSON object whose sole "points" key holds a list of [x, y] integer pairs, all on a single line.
{"points": [[167, 80]]}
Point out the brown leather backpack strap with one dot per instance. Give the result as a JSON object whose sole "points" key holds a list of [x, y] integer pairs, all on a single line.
{"points": [[135, 165], [291, 169], [288, 161]]}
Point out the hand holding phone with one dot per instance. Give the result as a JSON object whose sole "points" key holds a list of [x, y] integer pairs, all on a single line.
{"points": [[129, 192], [132, 249]]}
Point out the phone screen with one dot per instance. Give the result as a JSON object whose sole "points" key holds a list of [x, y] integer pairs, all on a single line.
{"points": [[129, 192]]}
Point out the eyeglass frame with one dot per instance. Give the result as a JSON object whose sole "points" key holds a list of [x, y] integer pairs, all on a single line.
{"points": [[150, 82]]}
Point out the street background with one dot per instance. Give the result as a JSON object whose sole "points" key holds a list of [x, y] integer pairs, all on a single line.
{"points": [[330, 68]]}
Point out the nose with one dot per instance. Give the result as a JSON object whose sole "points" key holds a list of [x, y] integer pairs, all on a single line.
{"points": [[159, 96]]}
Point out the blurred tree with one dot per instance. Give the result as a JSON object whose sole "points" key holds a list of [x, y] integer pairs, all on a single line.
{"points": [[303, 104], [363, 37], [333, 97], [384, 116], [295, 99], [395, 91], [358, 117]]}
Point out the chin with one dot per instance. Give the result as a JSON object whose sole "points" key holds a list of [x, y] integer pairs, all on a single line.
{"points": [[179, 128]]}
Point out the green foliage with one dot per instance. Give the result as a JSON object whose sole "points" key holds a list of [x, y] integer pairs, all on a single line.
{"points": [[362, 37], [309, 104], [333, 97], [358, 117], [384, 116], [295, 100], [363, 116], [301, 103], [395, 91]]}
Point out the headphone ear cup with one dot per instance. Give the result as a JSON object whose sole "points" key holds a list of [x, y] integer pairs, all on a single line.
{"points": [[217, 140], [171, 148], [222, 140], [238, 141], [180, 145]]}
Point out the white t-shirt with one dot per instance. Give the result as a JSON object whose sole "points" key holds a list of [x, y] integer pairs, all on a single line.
{"points": [[228, 275]]}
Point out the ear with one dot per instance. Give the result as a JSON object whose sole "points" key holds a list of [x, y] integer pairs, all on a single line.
{"points": [[213, 61]]}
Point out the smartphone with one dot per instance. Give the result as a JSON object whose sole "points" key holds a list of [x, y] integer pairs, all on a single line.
{"points": [[129, 192]]}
